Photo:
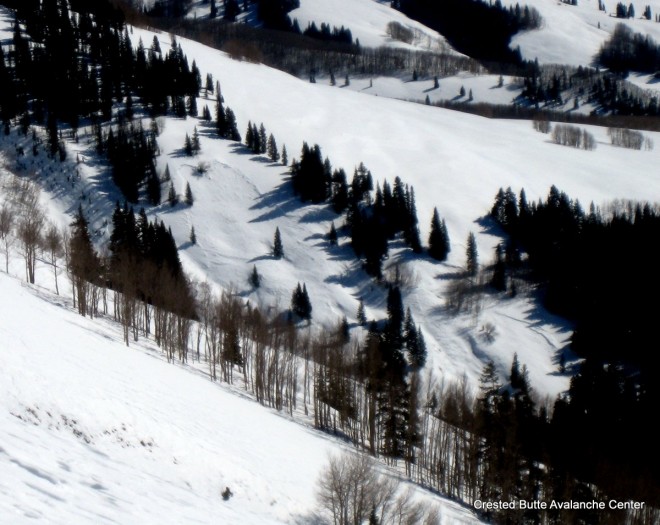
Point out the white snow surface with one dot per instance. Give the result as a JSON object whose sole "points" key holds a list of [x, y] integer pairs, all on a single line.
{"points": [[367, 20], [92, 431], [572, 35]]}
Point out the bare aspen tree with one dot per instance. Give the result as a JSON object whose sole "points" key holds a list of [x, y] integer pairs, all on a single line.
{"points": [[29, 227], [52, 245], [6, 226]]}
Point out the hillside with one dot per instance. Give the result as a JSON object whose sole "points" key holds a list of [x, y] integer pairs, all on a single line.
{"points": [[454, 161], [95, 432]]}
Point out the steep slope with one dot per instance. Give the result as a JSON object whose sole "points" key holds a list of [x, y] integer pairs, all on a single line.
{"points": [[94, 432]]}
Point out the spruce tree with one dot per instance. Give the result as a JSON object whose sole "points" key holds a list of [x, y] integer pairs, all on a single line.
{"points": [[471, 256], [171, 195], [285, 156], [361, 314], [196, 146], [255, 278], [438, 244], [332, 236], [498, 281], [188, 146], [189, 199], [278, 248], [273, 153], [193, 236]]}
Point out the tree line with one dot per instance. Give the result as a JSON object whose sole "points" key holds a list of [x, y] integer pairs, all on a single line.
{"points": [[597, 268], [481, 30]]}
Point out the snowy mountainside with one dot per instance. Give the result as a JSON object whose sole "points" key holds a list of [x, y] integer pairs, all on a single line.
{"points": [[574, 34], [455, 161], [368, 21], [95, 432]]}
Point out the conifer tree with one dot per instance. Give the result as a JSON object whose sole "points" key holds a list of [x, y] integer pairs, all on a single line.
{"points": [[188, 146], [332, 236], [189, 199], [263, 139], [438, 239], [278, 248], [361, 314], [196, 146], [300, 304], [171, 195], [471, 256], [285, 156], [193, 235], [255, 278], [498, 281], [273, 153]]}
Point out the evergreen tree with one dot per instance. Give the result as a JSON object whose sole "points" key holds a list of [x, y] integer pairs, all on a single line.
{"points": [[285, 157], [339, 191], [462, 91], [438, 241], [188, 146], [361, 314], [300, 303], [332, 236], [153, 189], [255, 278], [171, 195], [263, 139], [189, 199], [498, 280], [273, 153], [193, 236], [344, 330], [278, 248], [471, 256], [196, 146]]}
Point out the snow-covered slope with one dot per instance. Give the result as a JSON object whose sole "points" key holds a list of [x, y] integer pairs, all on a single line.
{"points": [[455, 161], [94, 432], [368, 21], [573, 34]]}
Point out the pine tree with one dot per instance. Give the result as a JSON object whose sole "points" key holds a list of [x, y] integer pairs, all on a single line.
{"points": [[189, 199], [332, 236], [300, 304], [361, 314], [344, 330], [285, 157], [196, 146], [171, 195], [278, 248], [471, 256], [273, 153], [462, 91], [438, 242], [188, 146], [498, 281], [255, 278], [263, 139], [193, 236]]}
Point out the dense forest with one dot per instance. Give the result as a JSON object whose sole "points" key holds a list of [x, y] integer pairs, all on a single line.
{"points": [[488, 34]]}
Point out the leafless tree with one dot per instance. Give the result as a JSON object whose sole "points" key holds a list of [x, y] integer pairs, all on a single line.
{"points": [[52, 245], [29, 226], [6, 226]]}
